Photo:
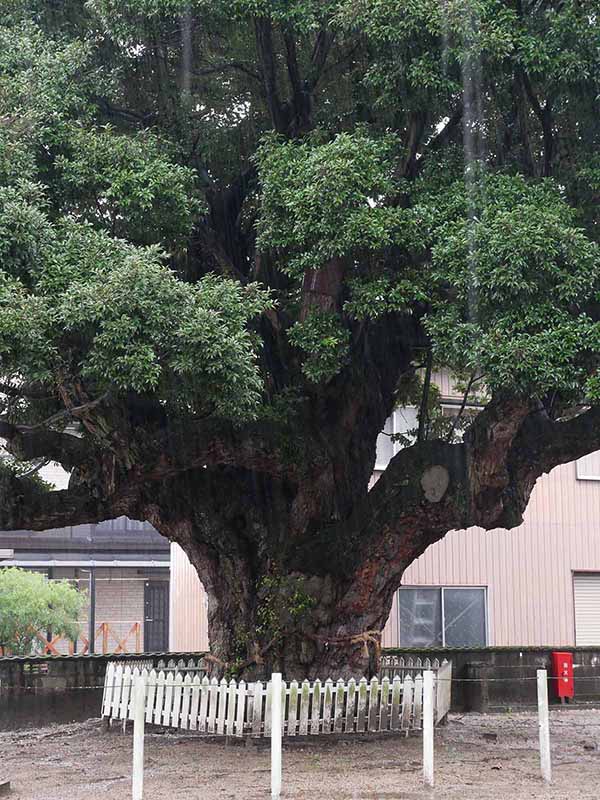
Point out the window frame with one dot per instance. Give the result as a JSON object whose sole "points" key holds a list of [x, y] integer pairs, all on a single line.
{"points": [[581, 477], [441, 588]]}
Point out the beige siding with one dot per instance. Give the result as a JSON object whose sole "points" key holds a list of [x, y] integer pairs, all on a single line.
{"points": [[445, 383], [188, 628], [528, 571]]}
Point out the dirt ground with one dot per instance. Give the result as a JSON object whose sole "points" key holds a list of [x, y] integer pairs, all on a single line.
{"points": [[477, 757]]}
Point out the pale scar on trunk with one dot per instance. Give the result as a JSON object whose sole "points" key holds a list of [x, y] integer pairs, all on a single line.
{"points": [[435, 482]]}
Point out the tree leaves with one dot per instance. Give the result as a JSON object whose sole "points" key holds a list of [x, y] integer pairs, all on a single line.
{"points": [[30, 604]]}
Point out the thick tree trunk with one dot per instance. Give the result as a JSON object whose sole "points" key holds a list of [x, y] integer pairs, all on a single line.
{"points": [[307, 626]]}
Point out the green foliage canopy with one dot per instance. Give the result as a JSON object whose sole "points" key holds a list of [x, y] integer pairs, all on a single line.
{"points": [[217, 219]]}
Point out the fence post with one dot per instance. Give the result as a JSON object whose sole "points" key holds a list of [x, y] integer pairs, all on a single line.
{"points": [[276, 733], [544, 725], [139, 703], [428, 727]]}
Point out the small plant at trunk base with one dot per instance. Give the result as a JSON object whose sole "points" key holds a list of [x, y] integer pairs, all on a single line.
{"points": [[32, 606]]}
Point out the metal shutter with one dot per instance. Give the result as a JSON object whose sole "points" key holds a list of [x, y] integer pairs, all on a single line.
{"points": [[586, 587]]}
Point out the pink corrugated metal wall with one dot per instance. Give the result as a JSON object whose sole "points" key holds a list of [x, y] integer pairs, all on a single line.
{"points": [[188, 623]]}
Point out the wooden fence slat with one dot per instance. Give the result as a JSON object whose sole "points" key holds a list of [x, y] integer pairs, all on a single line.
{"points": [[373, 717], [125, 694], [135, 673], [407, 697], [241, 708], [257, 703], [212, 706], [151, 696], [222, 712], [304, 708], [384, 716], [231, 698], [315, 718], [361, 714], [160, 698], [396, 699], [118, 686], [185, 701], [177, 694], [268, 704], [327, 705], [350, 703], [204, 698], [109, 681], [443, 691], [168, 702], [284, 692], [194, 702], [293, 709], [418, 702], [340, 693]]}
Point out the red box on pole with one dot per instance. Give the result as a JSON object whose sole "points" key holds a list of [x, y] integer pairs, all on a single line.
{"points": [[562, 672]]}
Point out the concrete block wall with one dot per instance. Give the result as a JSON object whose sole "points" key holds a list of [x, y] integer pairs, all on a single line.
{"points": [[120, 604]]}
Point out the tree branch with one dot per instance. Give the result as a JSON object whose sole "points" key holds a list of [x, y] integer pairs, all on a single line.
{"points": [[441, 138], [237, 66], [24, 390], [301, 99], [423, 410], [544, 116], [26, 505], [29, 444], [323, 43], [264, 45]]}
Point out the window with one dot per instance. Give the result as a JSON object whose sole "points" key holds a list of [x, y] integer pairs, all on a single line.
{"points": [[586, 591], [442, 616], [588, 467], [403, 420]]}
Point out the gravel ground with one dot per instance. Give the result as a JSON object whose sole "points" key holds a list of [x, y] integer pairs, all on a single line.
{"points": [[478, 757]]}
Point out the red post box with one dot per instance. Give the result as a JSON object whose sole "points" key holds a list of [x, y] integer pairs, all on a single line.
{"points": [[562, 672]]}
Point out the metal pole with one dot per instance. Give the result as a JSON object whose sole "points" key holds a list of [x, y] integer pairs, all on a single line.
{"points": [[428, 727], [92, 631], [544, 725], [139, 702], [276, 732]]}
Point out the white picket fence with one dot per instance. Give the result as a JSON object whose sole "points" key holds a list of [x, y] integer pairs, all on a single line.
{"points": [[192, 702]]}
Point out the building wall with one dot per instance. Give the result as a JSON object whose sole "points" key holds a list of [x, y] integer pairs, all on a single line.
{"points": [[189, 624], [120, 605]]}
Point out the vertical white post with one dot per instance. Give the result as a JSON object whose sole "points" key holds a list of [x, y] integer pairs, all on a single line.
{"points": [[428, 727], [276, 733], [544, 725], [139, 703]]}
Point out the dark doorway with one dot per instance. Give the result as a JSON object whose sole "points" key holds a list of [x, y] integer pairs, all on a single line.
{"points": [[156, 616]]}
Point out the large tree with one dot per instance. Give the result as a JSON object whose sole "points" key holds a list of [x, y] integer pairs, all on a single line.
{"points": [[234, 235]]}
